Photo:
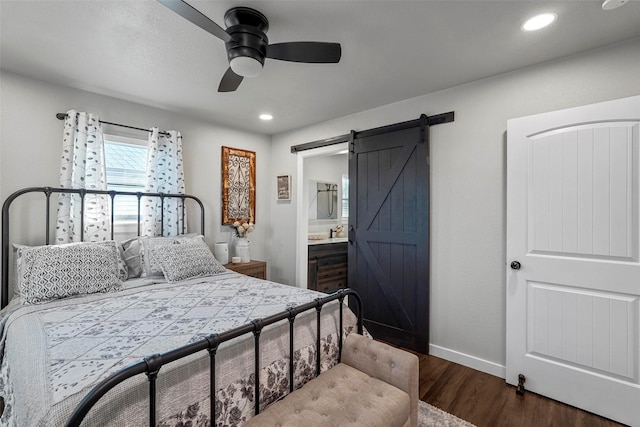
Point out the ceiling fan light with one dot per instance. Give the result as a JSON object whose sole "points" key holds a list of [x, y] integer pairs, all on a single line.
{"points": [[245, 66]]}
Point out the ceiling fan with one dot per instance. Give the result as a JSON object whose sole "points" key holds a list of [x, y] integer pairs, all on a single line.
{"points": [[247, 43]]}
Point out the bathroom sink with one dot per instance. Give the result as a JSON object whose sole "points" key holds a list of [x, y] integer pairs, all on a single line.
{"points": [[328, 241]]}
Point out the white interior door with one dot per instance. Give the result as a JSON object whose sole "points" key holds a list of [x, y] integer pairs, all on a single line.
{"points": [[573, 324]]}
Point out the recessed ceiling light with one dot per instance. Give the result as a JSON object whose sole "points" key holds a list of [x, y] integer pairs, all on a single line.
{"points": [[539, 21], [612, 4], [266, 117]]}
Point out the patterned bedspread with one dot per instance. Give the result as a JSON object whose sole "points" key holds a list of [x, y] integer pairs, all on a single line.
{"points": [[54, 353]]}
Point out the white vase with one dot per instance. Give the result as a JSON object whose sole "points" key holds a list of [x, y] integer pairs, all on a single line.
{"points": [[242, 249]]}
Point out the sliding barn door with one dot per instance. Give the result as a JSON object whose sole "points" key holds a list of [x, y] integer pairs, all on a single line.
{"points": [[389, 231], [573, 266]]}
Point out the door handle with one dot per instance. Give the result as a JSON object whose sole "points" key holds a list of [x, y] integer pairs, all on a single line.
{"points": [[351, 234], [515, 265]]}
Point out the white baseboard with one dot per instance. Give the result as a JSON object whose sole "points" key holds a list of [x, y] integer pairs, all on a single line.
{"points": [[468, 361]]}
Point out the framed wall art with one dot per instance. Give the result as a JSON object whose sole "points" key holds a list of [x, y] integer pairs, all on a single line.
{"points": [[238, 185], [283, 188]]}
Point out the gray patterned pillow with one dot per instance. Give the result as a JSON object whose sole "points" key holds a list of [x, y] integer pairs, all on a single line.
{"points": [[19, 269], [150, 266], [184, 261], [59, 271]]}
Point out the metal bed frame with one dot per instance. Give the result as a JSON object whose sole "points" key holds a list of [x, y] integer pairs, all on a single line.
{"points": [[151, 365], [48, 191]]}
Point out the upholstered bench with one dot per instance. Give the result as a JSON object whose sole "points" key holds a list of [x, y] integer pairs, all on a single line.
{"points": [[374, 385]]}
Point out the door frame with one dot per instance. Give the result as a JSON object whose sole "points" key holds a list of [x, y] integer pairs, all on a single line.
{"points": [[302, 213]]}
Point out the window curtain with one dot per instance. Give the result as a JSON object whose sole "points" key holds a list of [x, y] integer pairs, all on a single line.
{"points": [[164, 175], [82, 166]]}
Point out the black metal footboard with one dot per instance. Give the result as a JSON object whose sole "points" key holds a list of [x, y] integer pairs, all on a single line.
{"points": [[151, 365], [48, 191]]}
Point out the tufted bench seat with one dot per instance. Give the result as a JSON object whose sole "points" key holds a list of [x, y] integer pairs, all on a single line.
{"points": [[374, 385]]}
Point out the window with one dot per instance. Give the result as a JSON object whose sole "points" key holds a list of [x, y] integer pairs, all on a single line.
{"points": [[345, 196], [126, 163]]}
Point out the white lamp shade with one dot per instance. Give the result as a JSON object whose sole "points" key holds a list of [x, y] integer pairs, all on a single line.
{"points": [[245, 66]]}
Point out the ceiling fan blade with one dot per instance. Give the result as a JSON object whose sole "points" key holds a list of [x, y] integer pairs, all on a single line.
{"points": [[193, 15], [313, 52], [230, 81]]}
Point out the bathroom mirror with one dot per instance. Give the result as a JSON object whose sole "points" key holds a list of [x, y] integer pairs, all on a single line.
{"points": [[323, 200]]}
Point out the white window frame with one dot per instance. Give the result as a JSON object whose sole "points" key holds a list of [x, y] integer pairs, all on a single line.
{"points": [[345, 198], [125, 227]]}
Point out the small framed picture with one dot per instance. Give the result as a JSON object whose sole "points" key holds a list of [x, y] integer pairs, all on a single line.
{"points": [[283, 187]]}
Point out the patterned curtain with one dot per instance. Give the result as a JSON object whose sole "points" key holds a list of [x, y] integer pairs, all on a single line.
{"points": [[164, 175], [82, 166]]}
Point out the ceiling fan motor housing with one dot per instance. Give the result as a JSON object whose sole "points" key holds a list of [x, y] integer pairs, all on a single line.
{"points": [[247, 28], [247, 44]]}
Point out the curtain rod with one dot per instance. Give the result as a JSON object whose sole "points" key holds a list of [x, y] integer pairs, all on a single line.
{"points": [[62, 116]]}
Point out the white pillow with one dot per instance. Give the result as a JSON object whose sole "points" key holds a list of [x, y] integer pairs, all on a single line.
{"points": [[58, 271], [18, 267], [192, 258], [131, 257], [123, 270], [150, 266]]}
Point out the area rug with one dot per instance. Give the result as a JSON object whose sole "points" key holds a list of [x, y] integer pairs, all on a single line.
{"points": [[430, 416]]}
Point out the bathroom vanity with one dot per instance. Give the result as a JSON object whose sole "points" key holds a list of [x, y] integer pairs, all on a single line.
{"points": [[327, 267]]}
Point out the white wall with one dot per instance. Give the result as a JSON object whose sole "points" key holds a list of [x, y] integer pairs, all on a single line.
{"points": [[468, 174], [31, 143], [467, 321]]}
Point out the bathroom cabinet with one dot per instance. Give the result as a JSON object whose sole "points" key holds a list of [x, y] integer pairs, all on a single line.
{"points": [[327, 267]]}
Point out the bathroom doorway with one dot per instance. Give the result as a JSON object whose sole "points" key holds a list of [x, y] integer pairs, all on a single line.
{"points": [[320, 211]]}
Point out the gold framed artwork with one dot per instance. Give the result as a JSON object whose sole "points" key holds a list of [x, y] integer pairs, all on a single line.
{"points": [[238, 185], [283, 187]]}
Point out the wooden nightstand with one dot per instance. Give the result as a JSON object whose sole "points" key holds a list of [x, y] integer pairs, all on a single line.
{"points": [[252, 268]]}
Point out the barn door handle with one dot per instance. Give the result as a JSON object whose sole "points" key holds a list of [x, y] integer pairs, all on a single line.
{"points": [[515, 265], [352, 234]]}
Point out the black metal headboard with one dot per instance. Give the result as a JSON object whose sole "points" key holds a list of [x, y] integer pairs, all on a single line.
{"points": [[48, 191]]}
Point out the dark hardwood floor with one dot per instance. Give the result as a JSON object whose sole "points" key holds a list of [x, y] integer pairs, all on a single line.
{"points": [[487, 401]]}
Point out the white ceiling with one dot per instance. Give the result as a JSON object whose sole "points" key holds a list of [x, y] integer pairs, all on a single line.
{"points": [[141, 51]]}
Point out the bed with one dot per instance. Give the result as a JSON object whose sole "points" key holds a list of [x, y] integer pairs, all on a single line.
{"points": [[191, 328]]}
